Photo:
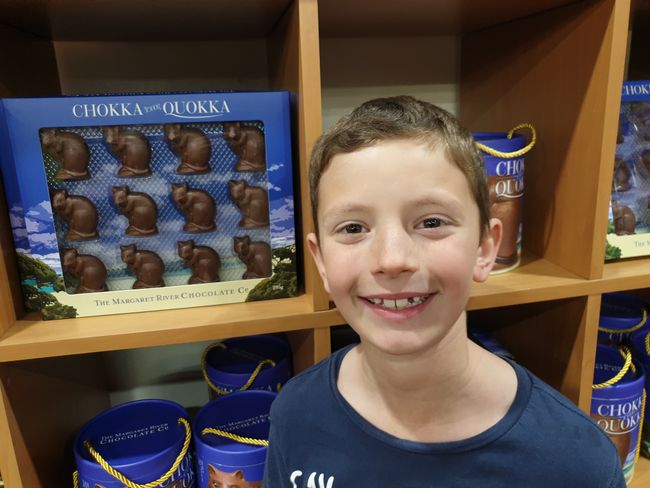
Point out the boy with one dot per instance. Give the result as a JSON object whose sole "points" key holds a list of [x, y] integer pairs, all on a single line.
{"points": [[402, 228]]}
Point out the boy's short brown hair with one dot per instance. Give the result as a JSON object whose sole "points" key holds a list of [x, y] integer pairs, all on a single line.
{"points": [[403, 117]]}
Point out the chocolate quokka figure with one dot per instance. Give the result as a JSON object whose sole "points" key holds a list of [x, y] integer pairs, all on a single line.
{"points": [[131, 148], [248, 144], [147, 266], [139, 208], [89, 270], [622, 176], [191, 145], [203, 260], [197, 205], [624, 219], [80, 214], [252, 201], [70, 151], [255, 255]]}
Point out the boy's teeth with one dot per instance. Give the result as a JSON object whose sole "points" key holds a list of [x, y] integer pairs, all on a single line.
{"points": [[397, 304]]}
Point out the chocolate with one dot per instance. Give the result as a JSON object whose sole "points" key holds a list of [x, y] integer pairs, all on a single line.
{"points": [[132, 150], [624, 219], [80, 214], [139, 208], [645, 159], [197, 205], [89, 270], [192, 147], [70, 151], [252, 201], [147, 266], [248, 145], [622, 176], [255, 255], [203, 260]]}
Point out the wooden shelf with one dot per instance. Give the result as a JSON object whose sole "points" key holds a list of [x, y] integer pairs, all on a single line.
{"points": [[125, 20], [368, 18], [32, 338], [641, 474]]}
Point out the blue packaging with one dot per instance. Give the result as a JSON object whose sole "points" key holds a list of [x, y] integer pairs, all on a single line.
{"points": [[260, 362], [236, 461], [628, 233], [131, 203], [141, 440]]}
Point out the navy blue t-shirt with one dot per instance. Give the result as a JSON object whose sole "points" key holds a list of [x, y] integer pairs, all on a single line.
{"points": [[318, 440]]}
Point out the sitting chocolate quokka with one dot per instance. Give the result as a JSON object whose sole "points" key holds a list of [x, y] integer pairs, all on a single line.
{"points": [[198, 207], [252, 201], [70, 150], [88, 269], [147, 266], [192, 147], [255, 255], [203, 260], [401, 230], [131, 148], [79, 212]]}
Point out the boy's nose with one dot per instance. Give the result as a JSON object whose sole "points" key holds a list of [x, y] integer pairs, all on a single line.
{"points": [[393, 253]]}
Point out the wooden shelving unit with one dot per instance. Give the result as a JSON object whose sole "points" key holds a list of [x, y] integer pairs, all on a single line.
{"points": [[556, 63]]}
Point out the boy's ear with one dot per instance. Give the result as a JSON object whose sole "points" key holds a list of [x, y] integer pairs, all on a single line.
{"points": [[487, 250], [314, 249]]}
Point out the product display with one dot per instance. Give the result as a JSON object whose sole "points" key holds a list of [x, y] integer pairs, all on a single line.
{"points": [[231, 438], [261, 362], [138, 442], [617, 402], [504, 166], [628, 233], [190, 192]]}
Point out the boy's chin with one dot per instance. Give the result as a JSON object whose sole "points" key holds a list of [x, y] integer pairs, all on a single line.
{"points": [[401, 344]]}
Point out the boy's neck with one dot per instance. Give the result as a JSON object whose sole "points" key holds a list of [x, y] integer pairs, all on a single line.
{"points": [[429, 397]]}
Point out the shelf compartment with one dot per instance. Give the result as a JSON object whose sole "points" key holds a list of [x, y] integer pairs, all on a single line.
{"points": [[31, 337], [368, 18], [124, 20]]}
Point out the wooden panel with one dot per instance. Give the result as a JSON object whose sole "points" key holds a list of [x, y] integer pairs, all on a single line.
{"points": [[15, 462], [162, 20], [34, 338], [561, 70], [309, 347], [555, 340], [294, 64], [421, 17], [641, 474], [10, 296], [50, 401]]}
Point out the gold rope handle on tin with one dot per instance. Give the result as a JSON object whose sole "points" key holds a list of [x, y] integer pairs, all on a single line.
{"points": [[636, 327], [514, 154], [246, 386], [625, 352], [237, 438], [127, 482], [647, 344]]}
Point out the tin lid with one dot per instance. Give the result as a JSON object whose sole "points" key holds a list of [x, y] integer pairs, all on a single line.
{"points": [[622, 312], [140, 439]]}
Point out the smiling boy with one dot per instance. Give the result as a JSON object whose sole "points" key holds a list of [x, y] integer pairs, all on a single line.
{"points": [[402, 229]]}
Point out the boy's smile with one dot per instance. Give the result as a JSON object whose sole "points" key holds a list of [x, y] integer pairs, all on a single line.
{"points": [[399, 243]]}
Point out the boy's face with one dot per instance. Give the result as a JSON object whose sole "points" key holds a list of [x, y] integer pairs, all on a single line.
{"points": [[400, 243]]}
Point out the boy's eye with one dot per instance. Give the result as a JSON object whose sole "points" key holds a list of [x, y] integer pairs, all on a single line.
{"points": [[353, 228], [432, 223]]}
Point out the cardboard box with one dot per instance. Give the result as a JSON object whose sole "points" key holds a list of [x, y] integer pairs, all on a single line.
{"points": [[104, 189], [628, 233]]}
